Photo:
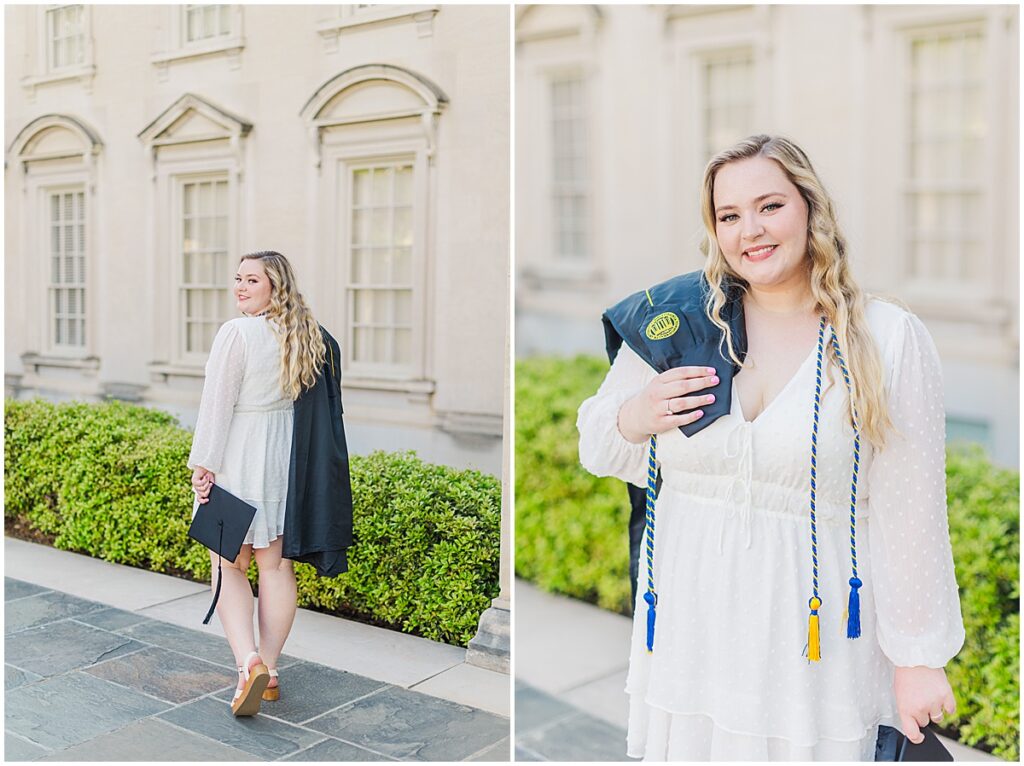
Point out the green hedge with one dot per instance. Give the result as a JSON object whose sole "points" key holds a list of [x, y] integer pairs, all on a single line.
{"points": [[110, 480], [572, 538]]}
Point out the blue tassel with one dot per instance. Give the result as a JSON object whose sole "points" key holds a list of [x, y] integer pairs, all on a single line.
{"points": [[853, 610], [652, 599]]}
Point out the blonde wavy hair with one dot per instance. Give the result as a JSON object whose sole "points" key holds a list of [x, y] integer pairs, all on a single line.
{"points": [[302, 344], [836, 294]]}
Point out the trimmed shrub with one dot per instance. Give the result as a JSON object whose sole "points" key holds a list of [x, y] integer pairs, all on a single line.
{"points": [[572, 538], [110, 480]]}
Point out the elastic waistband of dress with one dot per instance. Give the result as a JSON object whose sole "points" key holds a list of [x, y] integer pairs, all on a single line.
{"points": [[763, 497], [281, 405]]}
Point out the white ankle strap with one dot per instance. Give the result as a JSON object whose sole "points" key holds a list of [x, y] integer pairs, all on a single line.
{"points": [[273, 672]]}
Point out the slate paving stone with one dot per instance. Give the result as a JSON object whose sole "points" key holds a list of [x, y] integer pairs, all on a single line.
{"points": [[72, 708], [17, 749], [408, 725], [62, 646], [309, 690], [336, 750], [535, 708], [15, 677], [19, 589], [112, 619], [165, 674], [495, 754], [258, 735], [149, 740], [580, 737], [184, 640], [44, 608]]}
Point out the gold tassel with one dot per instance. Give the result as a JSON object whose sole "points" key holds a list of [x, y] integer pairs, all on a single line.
{"points": [[813, 637]]}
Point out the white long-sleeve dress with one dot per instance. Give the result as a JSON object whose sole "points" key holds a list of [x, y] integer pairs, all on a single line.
{"points": [[728, 678], [244, 429]]}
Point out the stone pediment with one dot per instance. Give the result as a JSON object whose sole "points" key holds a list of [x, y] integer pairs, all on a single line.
{"points": [[192, 119], [54, 136], [373, 92]]}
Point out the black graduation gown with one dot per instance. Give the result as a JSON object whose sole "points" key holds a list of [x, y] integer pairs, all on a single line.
{"points": [[318, 513]]}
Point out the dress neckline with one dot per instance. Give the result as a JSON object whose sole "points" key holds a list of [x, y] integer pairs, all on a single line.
{"points": [[738, 405]]}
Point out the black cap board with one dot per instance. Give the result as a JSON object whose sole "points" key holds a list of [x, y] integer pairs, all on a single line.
{"points": [[221, 525]]}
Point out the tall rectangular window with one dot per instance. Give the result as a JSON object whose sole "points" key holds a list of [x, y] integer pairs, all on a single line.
{"points": [[946, 169], [67, 269], [65, 36], [570, 214], [727, 80], [203, 22], [205, 268], [381, 291]]}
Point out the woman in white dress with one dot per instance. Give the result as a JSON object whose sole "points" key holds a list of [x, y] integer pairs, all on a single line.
{"points": [[258, 364], [732, 675]]}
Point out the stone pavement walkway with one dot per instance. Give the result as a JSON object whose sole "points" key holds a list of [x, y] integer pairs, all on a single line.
{"points": [[88, 680], [571, 660]]}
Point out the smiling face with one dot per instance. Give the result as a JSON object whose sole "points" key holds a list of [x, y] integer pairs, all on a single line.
{"points": [[761, 223], [252, 287]]}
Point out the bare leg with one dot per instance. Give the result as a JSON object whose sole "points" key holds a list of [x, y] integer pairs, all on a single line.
{"points": [[234, 609], [276, 603]]}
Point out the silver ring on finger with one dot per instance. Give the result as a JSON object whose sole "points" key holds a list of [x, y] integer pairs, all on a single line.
{"points": [[668, 407], [935, 716]]}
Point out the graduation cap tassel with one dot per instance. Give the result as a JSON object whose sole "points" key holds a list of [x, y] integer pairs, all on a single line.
{"points": [[853, 610], [216, 592], [650, 596]]}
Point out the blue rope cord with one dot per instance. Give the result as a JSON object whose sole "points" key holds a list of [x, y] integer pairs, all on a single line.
{"points": [[853, 606], [650, 596]]}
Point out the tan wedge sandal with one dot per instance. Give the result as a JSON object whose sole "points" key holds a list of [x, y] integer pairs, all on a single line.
{"points": [[247, 699], [272, 693]]}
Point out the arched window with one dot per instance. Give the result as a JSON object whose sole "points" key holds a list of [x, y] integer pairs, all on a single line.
{"points": [[56, 155], [373, 137]]}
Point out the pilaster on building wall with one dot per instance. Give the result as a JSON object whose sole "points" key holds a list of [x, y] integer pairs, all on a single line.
{"points": [[369, 145], [909, 114]]}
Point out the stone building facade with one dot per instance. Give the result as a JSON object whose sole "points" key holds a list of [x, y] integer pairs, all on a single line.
{"points": [[149, 146]]}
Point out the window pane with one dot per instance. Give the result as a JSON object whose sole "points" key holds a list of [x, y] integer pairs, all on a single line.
{"points": [[363, 306], [379, 272], [403, 346], [403, 307], [403, 227], [403, 185], [361, 187], [402, 269]]}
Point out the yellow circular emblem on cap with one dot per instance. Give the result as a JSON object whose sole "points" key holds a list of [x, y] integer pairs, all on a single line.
{"points": [[663, 326]]}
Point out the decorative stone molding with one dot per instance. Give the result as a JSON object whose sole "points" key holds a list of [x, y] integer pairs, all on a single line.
{"points": [[33, 362], [420, 15], [53, 137]]}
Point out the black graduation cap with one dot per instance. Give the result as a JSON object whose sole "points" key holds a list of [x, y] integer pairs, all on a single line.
{"points": [[221, 524], [666, 326]]}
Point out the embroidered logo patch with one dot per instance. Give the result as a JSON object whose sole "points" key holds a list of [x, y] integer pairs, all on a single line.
{"points": [[663, 326]]}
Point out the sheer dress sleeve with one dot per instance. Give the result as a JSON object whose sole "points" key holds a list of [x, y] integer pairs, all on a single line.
{"points": [[917, 601], [224, 371], [603, 449]]}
